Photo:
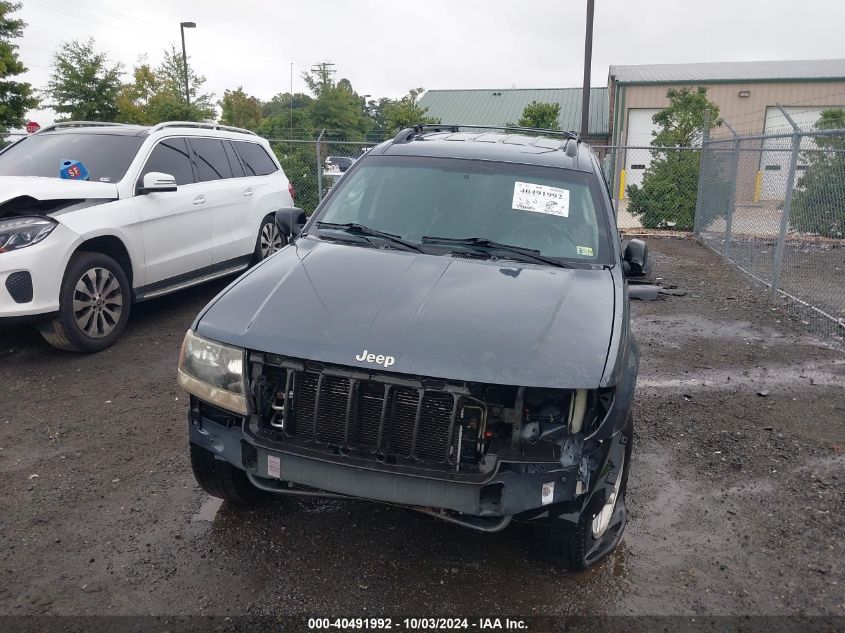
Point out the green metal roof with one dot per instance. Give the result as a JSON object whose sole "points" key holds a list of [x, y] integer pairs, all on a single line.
{"points": [[502, 106]]}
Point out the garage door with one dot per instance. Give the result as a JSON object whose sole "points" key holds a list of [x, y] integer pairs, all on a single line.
{"points": [[640, 128], [774, 160]]}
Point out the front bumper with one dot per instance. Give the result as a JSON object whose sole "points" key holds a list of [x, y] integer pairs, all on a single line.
{"points": [[511, 489], [45, 263]]}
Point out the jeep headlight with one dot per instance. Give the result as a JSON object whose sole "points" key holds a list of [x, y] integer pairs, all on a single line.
{"points": [[20, 232], [213, 372]]}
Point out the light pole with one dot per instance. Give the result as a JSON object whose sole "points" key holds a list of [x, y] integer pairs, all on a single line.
{"points": [[588, 61], [182, 27]]}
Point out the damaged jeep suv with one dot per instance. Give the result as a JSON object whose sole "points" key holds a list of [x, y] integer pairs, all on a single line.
{"points": [[448, 332]]}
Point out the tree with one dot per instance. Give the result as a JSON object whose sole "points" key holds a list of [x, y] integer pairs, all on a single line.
{"points": [[405, 112], [682, 123], [240, 109], [133, 101], [544, 116], [336, 107], [16, 97], [169, 101], [283, 119], [84, 85], [818, 204], [667, 196], [280, 104]]}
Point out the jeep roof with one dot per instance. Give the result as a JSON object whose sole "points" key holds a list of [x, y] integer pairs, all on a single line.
{"points": [[449, 141]]}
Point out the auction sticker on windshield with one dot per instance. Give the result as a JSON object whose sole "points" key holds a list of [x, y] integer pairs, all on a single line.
{"points": [[540, 199]]}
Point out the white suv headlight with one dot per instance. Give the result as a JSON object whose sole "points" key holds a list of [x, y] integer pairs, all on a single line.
{"points": [[20, 232], [213, 372]]}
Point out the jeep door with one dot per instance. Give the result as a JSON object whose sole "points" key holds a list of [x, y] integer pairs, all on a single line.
{"points": [[176, 226]]}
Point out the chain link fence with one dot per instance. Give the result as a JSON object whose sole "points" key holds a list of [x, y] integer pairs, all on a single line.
{"points": [[314, 165], [7, 138], [774, 205], [651, 187]]}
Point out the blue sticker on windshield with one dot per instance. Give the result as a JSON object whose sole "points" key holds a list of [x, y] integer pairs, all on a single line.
{"points": [[72, 170]]}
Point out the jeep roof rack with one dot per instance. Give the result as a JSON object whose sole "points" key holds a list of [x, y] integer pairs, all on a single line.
{"points": [[63, 124], [203, 126], [408, 134]]}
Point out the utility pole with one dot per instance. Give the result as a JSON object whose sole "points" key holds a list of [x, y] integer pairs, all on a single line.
{"points": [[182, 27], [324, 72], [588, 62], [291, 99]]}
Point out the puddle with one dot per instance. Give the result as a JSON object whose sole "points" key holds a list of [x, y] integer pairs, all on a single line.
{"points": [[826, 464], [684, 327], [751, 488], [764, 378], [208, 510], [619, 562]]}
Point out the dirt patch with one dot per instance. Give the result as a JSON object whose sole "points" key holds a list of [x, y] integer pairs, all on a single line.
{"points": [[735, 497]]}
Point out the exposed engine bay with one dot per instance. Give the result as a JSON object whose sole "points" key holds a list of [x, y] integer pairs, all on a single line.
{"points": [[418, 424]]}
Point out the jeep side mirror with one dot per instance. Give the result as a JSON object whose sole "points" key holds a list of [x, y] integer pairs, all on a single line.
{"points": [[156, 182], [290, 221], [635, 255]]}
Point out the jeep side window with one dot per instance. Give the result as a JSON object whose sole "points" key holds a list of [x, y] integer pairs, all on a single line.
{"points": [[212, 163], [255, 159], [171, 156]]}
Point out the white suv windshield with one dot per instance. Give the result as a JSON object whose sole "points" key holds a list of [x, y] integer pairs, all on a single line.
{"points": [[105, 156], [555, 212]]}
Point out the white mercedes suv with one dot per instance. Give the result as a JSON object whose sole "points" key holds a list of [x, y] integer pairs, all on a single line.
{"points": [[96, 216]]}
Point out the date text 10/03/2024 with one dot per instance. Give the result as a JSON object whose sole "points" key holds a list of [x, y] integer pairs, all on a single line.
{"points": [[417, 624]]}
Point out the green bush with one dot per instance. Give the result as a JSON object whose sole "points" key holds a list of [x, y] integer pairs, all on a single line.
{"points": [[299, 160], [666, 198], [818, 205]]}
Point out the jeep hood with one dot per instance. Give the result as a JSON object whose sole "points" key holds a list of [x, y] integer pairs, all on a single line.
{"points": [[437, 316], [41, 188]]}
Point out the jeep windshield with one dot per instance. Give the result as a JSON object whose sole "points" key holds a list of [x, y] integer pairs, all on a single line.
{"points": [[105, 156], [460, 205]]}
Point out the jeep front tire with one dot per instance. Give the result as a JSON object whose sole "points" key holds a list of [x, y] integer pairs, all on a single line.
{"points": [[220, 479], [579, 546]]}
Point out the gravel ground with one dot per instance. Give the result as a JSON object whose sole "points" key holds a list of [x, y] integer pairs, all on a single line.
{"points": [[736, 492]]}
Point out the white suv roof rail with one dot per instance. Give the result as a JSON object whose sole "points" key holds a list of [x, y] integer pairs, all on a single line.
{"points": [[204, 126], [62, 124]]}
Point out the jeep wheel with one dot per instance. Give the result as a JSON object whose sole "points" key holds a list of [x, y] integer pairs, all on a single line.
{"points": [[221, 479], [601, 524], [270, 239], [94, 302]]}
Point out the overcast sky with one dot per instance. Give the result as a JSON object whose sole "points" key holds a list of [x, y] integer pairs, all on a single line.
{"points": [[386, 47]]}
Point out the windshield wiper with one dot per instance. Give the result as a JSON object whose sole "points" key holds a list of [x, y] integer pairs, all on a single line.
{"points": [[359, 229], [484, 243]]}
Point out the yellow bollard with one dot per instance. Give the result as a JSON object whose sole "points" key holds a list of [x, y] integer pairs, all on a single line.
{"points": [[622, 185], [758, 186]]}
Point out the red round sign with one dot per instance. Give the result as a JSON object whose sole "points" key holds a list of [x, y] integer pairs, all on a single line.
{"points": [[32, 127]]}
